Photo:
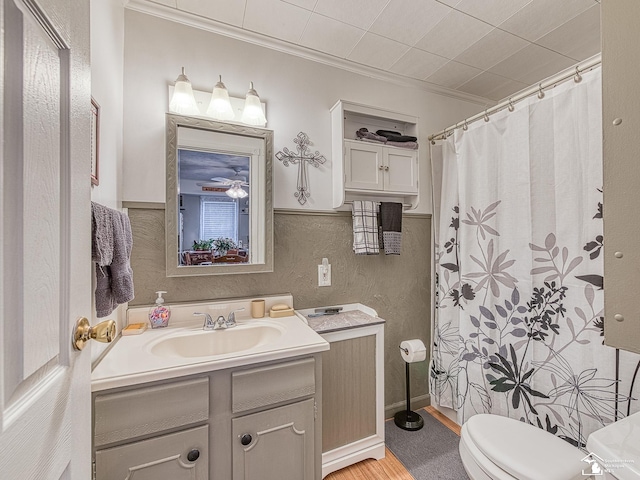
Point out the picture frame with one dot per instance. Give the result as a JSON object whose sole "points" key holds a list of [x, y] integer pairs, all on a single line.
{"points": [[95, 141]]}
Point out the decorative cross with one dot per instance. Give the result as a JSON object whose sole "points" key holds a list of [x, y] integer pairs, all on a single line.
{"points": [[303, 157]]}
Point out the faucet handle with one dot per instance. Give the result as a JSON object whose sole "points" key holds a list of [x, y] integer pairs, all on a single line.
{"points": [[231, 320], [208, 321]]}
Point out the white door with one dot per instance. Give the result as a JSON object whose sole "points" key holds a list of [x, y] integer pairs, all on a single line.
{"points": [[45, 273]]}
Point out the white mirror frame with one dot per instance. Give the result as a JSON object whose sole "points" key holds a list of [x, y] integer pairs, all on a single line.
{"points": [[263, 199]]}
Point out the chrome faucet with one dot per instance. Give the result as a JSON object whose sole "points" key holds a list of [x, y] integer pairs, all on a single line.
{"points": [[209, 324], [231, 321]]}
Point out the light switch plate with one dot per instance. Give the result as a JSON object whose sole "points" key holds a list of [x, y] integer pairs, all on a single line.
{"points": [[324, 280]]}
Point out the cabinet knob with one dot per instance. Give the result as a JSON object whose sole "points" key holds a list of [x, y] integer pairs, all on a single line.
{"points": [[381, 167], [245, 439], [386, 168], [193, 455]]}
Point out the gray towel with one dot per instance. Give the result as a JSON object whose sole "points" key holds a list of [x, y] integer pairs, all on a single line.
{"points": [[111, 243], [365, 228], [391, 227]]}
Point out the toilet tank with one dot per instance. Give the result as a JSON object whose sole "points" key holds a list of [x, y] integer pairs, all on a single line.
{"points": [[616, 448]]}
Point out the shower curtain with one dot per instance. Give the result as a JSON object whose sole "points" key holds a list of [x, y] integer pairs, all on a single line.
{"points": [[519, 271]]}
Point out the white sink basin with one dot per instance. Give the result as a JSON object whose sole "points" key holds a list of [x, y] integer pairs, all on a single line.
{"points": [[205, 343]]}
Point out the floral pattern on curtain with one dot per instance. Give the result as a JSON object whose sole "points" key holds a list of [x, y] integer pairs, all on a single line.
{"points": [[519, 271]]}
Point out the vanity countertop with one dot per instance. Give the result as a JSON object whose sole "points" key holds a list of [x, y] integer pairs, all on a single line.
{"points": [[144, 358], [353, 315]]}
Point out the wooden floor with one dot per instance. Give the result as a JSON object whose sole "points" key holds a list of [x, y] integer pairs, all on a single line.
{"points": [[389, 468]]}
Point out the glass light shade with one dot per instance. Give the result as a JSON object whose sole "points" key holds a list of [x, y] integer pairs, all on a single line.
{"points": [[252, 113], [220, 106], [183, 101], [236, 191]]}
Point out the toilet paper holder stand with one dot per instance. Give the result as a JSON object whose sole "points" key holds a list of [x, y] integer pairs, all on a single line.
{"points": [[407, 419]]}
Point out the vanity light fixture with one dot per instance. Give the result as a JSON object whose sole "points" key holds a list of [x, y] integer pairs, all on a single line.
{"points": [[253, 114], [183, 101], [220, 106]]}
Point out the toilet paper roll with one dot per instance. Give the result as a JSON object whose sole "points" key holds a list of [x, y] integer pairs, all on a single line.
{"points": [[413, 351]]}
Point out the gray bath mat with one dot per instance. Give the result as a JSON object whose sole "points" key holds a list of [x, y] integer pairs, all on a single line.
{"points": [[430, 453]]}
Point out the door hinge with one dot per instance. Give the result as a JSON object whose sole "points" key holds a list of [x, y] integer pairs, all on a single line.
{"points": [[93, 470], [315, 411]]}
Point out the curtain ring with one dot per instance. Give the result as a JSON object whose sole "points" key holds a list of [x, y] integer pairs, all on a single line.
{"points": [[486, 116], [511, 107], [465, 127], [540, 92], [577, 77]]}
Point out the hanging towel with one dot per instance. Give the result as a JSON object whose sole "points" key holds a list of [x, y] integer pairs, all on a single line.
{"points": [[365, 228], [111, 243], [391, 226]]}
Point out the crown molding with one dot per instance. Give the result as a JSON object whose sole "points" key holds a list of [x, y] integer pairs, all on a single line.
{"points": [[237, 33]]}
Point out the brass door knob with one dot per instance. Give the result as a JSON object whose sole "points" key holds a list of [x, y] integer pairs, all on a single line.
{"points": [[103, 332]]}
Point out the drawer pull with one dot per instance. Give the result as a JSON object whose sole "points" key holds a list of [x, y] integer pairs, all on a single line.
{"points": [[245, 439], [193, 455]]}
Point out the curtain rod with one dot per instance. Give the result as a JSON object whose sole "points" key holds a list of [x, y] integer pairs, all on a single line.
{"points": [[573, 72]]}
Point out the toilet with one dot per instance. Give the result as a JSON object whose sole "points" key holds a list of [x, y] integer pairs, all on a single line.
{"points": [[493, 447]]}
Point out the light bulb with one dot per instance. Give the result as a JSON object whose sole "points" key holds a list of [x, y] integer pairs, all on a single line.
{"points": [[220, 106], [183, 101], [252, 113]]}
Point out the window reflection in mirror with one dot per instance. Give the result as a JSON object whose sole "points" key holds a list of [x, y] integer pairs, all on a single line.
{"points": [[214, 207], [219, 218]]}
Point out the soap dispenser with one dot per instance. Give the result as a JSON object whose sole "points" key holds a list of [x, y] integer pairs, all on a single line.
{"points": [[159, 314]]}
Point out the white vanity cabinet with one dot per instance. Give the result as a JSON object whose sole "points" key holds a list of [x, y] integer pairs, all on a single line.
{"points": [[244, 423], [368, 170], [379, 168]]}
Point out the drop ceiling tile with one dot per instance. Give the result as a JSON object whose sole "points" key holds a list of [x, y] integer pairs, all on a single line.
{"points": [[532, 64], [377, 51], [504, 90], [491, 49], [407, 20], [359, 13], [453, 74], [306, 4], [276, 19], [490, 85], [225, 11], [418, 64], [453, 35], [540, 17], [330, 36], [491, 11], [579, 38]]}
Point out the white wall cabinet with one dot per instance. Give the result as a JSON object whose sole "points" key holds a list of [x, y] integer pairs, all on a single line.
{"points": [[233, 424], [379, 168], [372, 171], [621, 123]]}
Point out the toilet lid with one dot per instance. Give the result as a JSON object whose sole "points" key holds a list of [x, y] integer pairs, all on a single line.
{"points": [[619, 445], [524, 451]]}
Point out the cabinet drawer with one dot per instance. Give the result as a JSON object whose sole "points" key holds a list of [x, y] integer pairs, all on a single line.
{"points": [[160, 458], [260, 387], [124, 415]]}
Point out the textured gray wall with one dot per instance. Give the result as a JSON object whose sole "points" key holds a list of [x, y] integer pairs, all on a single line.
{"points": [[397, 287]]}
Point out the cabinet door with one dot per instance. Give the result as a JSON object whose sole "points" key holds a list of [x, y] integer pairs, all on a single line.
{"points": [[279, 443], [402, 173], [161, 458], [363, 166], [349, 373]]}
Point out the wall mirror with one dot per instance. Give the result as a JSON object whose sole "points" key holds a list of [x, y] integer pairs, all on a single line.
{"points": [[219, 216]]}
